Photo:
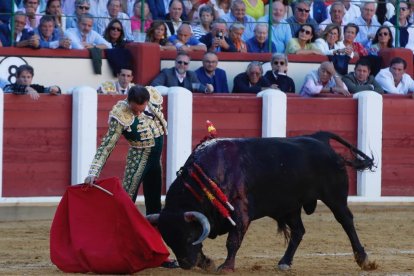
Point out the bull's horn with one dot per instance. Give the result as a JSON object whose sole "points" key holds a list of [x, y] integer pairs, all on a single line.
{"points": [[202, 219], [153, 218]]}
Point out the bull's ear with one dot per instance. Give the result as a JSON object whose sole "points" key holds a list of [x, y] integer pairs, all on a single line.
{"points": [[202, 219], [153, 219]]}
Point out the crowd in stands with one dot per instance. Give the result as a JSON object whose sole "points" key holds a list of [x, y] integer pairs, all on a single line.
{"points": [[331, 28]]}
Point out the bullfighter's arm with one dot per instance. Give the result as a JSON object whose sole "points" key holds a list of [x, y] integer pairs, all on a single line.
{"points": [[107, 145]]}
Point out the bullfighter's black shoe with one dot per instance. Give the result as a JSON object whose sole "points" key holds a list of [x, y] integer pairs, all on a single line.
{"points": [[170, 264]]}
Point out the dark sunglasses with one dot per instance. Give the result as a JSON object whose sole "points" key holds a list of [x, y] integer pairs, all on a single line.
{"points": [[116, 29], [83, 7], [279, 63], [182, 62], [305, 31], [403, 9], [303, 10], [382, 34]]}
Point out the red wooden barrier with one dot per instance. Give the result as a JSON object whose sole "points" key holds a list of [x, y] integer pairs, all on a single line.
{"points": [[37, 145], [398, 146]]}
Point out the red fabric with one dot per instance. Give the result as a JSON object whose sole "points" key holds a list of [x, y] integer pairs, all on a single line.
{"points": [[93, 231]]}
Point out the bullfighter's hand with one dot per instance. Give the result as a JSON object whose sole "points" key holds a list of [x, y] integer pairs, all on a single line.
{"points": [[90, 179]]}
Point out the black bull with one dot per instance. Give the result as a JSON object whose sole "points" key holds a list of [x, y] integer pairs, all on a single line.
{"points": [[272, 177]]}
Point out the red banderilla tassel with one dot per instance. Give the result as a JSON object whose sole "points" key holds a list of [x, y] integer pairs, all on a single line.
{"points": [[221, 196], [217, 204]]}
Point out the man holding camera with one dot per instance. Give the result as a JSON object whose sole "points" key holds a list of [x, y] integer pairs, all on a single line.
{"points": [[217, 40]]}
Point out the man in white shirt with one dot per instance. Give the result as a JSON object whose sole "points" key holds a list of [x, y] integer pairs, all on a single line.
{"points": [[119, 86], [394, 80], [351, 11], [336, 16], [368, 24], [83, 37], [114, 8]]}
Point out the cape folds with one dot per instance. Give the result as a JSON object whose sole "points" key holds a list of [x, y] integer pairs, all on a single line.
{"points": [[93, 231]]}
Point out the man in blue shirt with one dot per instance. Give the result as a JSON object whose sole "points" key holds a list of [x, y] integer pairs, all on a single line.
{"points": [[260, 42], [238, 14], [210, 74]]}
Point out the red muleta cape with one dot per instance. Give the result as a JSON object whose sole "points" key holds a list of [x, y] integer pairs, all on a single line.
{"points": [[93, 231]]}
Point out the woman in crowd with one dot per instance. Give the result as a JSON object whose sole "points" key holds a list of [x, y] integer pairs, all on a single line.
{"points": [[114, 34], [350, 32], [383, 40], [251, 81], [235, 34], [206, 16], [330, 44], [54, 8], [254, 8], [303, 43], [278, 74], [223, 7], [323, 80], [157, 33], [136, 18], [404, 24]]}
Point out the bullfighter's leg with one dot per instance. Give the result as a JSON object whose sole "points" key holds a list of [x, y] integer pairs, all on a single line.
{"points": [[344, 216], [297, 230]]}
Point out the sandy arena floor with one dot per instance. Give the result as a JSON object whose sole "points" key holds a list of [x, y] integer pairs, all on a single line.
{"points": [[387, 232]]}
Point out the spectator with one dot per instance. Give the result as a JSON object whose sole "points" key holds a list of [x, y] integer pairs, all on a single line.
{"points": [[81, 7], [120, 86], [330, 44], [30, 8], [136, 18], [361, 79], [251, 81], [385, 10], [194, 7], [300, 17], [403, 23], [318, 10], [185, 41], [23, 85], [351, 30], [303, 43], [23, 37], [49, 36], [175, 17], [179, 75], [351, 11], [260, 42], [114, 34], [160, 8], [210, 74], [83, 37], [255, 8], [323, 80], [383, 40], [223, 7], [238, 14], [54, 8], [337, 13], [278, 75], [394, 79], [236, 37], [280, 31], [368, 24], [157, 33], [114, 12], [207, 17], [217, 40]]}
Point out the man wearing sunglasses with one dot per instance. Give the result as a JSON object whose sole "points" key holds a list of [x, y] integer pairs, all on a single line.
{"points": [[277, 76], [301, 16], [81, 7], [180, 75]]}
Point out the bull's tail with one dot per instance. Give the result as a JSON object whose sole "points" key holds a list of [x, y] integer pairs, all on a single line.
{"points": [[360, 161]]}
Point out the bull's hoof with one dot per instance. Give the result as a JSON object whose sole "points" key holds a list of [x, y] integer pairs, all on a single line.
{"points": [[224, 270], [209, 266], [283, 267], [367, 265]]}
